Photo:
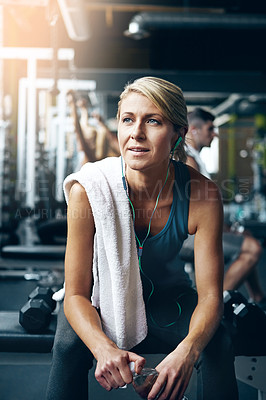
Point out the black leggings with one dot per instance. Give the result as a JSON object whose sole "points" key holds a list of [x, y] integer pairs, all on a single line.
{"points": [[215, 369]]}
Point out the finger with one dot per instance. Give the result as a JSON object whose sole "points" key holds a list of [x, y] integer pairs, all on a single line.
{"points": [[103, 382], [179, 389], [106, 378], [138, 360], [159, 387], [117, 376], [125, 371], [178, 392]]}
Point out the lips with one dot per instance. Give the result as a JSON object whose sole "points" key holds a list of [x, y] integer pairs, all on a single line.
{"points": [[138, 149]]}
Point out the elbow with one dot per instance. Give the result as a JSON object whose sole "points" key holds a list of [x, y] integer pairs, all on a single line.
{"points": [[67, 307]]}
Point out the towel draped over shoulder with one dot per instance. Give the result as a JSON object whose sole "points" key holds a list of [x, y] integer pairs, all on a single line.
{"points": [[117, 287]]}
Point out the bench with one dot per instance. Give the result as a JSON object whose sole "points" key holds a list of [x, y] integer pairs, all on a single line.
{"points": [[17, 345]]}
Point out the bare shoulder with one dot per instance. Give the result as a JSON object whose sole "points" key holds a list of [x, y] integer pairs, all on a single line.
{"points": [[79, 212], [78, 202], [205, 202], [78, 193], [202, 188]]}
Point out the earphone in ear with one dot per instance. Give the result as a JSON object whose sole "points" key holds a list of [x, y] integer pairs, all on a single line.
{"points": [[177, 143]]}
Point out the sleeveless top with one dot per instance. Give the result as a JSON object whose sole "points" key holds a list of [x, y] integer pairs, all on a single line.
{"points": [[160, 262]]}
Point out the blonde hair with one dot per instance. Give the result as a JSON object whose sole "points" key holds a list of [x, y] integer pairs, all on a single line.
{"points": [[168, 98]]}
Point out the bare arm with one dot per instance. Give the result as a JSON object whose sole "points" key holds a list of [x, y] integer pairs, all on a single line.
{"points": [[111, 139], [101, 143], [205, 220], [112, 363], [85, 147]]}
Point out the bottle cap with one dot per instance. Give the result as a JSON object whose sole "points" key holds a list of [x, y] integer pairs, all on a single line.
{"points": [[132, 366]]}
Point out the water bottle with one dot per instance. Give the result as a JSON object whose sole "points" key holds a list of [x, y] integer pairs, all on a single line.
{"points": [[144, 381]]}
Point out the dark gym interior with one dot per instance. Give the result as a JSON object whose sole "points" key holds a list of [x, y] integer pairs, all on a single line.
{"points": [[214, 51]]}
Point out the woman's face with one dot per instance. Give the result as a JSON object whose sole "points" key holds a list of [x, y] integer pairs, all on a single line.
{"points": [[145, 136]]}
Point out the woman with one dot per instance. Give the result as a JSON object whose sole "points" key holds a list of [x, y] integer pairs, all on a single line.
{"points": [[126, 223]]}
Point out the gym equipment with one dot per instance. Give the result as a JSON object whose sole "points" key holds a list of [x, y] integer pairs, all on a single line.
{"points": [[232, 299], [246, 323], [35, 315], [43, 252], [57, 125], [250, 322], [251, 370], [53, 232], [14, 339], [8, 204]]}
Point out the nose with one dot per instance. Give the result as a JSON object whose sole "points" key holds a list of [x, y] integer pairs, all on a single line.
{"points": [[138, 131]]}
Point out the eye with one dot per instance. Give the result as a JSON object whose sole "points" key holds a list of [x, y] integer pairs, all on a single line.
{"points": [[126, 120], [153, 121]]}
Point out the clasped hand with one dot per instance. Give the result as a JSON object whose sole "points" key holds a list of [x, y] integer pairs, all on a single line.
{"points": [[112, 369], [175, 371]]}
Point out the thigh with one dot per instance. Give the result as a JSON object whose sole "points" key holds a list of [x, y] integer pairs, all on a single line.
{"points": [[168, 320], [232, 243], [215, 369], [71, 361], [67, 344]]}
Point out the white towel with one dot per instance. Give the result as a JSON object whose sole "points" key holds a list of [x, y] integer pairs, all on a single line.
{"points": [[117, 289]]}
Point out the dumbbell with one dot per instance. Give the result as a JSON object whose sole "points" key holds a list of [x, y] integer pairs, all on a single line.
{"points": [[250, 323], [232, 299], [251, 318], [35, 315], [246, 323]]}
